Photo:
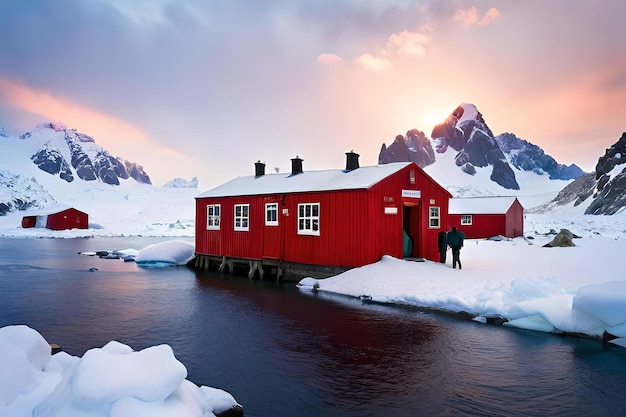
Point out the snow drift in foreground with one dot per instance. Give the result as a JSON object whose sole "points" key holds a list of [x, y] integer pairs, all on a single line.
{"points": [[580, 290], [110, 381]]}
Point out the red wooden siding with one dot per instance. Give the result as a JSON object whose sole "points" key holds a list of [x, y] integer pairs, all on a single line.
{"points": [[67, 219], [509, 224], [354, 228], [29, 221], [515, 220]]}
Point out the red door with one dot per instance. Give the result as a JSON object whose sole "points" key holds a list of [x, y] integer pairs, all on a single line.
{"points": [[272, 226]]}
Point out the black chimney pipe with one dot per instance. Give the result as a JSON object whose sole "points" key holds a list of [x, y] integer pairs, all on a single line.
{"points": [[352, 161], [296, 166], [259, 169]]}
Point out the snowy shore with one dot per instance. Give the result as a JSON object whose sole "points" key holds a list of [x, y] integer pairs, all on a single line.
{"points": [[579, 290]]}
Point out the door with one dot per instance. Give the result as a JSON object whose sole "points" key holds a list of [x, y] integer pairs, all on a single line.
{"points": [[411, 227], [272, 231]]}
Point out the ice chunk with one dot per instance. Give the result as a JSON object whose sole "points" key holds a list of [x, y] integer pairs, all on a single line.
{"points": [[606, 301], [151, 374], [172, 252]]}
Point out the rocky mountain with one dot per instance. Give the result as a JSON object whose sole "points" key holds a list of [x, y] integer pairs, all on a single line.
{"points": [[466, 133], [21, 193], [606, 187], [415, 147], [182, 183], [52, 164], [71, 154], [610, 193]]}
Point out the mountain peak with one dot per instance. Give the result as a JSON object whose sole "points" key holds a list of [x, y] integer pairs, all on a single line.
{"points": [[60, 151], [466, 132]]}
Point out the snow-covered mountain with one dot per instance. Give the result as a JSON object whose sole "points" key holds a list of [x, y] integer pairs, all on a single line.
{"points": [[72, 155], [182, 183], [600, 192], [55, 165], [506, 158]]}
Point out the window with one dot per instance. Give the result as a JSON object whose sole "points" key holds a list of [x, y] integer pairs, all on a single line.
{"points": [[433, 217], [271, 214], [213, 217], [466, 220], [242, 217], [309, 219]]}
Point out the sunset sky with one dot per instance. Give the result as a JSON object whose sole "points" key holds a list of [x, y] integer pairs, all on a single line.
{"points": [[207, 87]]}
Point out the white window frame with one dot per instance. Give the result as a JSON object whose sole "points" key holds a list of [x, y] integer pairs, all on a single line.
{"points": [[241, 220], [271, 214], [466, 219], [434, 217], [212, 219], [308, 222]]}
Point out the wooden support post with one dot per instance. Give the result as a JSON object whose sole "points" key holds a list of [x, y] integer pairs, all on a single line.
{"points": [[223, 264], [252, 266]]}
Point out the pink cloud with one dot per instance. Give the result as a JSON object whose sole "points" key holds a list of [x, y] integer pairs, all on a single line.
{"points": [[328, 59], [374, 64], [471, 17], [407, 43], [402, 44]]}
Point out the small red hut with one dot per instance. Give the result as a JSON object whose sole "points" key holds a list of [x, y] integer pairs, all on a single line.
{"points": [[57, 218], [483, 217], [321, 222]]}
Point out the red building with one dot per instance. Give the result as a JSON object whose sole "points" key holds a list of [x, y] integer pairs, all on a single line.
{"points": [[57, 218], [320, 222], [483, 217]]}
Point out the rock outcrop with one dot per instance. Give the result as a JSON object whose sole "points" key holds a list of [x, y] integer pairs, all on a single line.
{"points": [[610, 194], [414, 147]]}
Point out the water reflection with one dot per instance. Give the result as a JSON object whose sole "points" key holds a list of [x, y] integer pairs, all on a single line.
{"points": [[282, 352]]}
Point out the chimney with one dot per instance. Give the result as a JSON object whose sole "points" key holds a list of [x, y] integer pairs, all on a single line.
{"points": [[296, 166], [259, 169], [352, 161]]}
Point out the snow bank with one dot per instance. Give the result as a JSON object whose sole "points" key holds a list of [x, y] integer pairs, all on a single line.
{"points": [[579, 289], [110, 381]]}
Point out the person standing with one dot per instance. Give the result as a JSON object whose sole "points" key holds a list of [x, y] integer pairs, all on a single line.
{"points": [[455, 241], [442, 242]]}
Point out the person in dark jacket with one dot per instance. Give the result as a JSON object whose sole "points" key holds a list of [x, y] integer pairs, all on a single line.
{"points": [[455, 241], [442, 242]]}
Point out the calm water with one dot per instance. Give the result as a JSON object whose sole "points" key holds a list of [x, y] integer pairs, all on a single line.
{"points": [[284, 353]]}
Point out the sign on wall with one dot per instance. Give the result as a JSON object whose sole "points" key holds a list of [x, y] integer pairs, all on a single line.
{"points": [[411, 194]]}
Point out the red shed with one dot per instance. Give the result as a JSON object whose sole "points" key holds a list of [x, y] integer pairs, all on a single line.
{"points": [[320, 222], [57, 218], [483, 217]]}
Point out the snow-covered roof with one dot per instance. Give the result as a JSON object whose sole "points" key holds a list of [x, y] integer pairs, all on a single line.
{"points": [[480, 205], [57, 208], [307, 181]]}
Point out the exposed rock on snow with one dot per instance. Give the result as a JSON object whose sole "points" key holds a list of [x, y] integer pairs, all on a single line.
{"points": [[564, 238], [21, 193]]}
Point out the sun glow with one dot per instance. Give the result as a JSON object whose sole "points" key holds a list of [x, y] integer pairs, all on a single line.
{"points": [[429, 118]]}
